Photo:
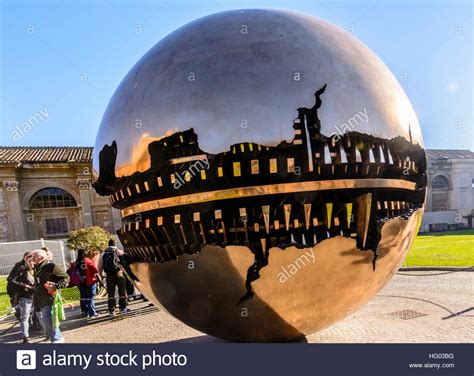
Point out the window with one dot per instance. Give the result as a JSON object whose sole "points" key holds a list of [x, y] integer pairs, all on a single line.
{"points": [[440, 201], [440, 182], [472, 183], [56, 226], [49, 198]]}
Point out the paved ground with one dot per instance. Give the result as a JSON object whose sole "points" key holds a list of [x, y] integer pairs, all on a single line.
{"points": [[445, 299]]}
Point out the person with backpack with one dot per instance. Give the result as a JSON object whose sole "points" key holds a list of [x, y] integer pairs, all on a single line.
{"points": [[20, 284], [83, 274], [109, 262], [49, 278]]}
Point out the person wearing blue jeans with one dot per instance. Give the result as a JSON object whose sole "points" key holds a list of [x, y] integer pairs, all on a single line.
{"points": [[21, 281], [82, 301], [48, 278], [26, 305], [87, 299], [46, 320], [84, 268]]}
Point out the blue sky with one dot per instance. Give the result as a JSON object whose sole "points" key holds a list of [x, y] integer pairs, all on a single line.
{"points": [[66, 58]]}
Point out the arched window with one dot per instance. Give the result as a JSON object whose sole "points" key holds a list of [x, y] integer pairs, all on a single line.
{"points": [[49, 198], [440, 182]]}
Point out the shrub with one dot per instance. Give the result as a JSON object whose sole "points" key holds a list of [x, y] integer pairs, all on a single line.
{"points": [[89, 239]]}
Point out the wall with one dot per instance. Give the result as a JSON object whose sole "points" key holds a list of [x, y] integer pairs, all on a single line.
{"points": [[460, 195], [19, 183]]}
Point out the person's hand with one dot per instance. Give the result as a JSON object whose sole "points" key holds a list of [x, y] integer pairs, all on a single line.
{"points": [[29, 288], [51, 287]]}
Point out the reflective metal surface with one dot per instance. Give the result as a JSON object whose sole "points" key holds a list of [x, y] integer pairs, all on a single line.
{"points": [[208, 73], [264, 190], [202, 290], [269, 170]]}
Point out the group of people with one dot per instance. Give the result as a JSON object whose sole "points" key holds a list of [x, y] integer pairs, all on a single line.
{"points": [[86, 271], [34, 282], [32, 285]]}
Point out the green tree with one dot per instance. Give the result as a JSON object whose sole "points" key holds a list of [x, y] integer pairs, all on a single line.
{"points": [[89, 239]]}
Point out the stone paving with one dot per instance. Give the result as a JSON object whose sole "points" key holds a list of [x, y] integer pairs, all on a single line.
{"points": [[415, 307]]}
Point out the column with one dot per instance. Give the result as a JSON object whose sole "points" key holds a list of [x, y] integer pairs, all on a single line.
{"points": [[84, 191], [116, 219], [15, 219]]}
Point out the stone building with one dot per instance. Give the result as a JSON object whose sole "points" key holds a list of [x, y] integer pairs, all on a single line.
{"points": [[450, 196], [45, 192]]}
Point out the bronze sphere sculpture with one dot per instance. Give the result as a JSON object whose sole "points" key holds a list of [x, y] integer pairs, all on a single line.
{"points": [[270, 173]]}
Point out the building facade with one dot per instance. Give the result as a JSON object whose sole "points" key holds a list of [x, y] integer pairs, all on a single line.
{"points": [[450, 194], [45, 192]]}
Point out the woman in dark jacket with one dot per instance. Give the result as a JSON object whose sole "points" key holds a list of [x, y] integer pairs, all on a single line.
{"points": [[21, 277]]}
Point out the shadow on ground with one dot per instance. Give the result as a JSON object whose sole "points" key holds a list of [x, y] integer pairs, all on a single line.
{"points": [[10, 329]]}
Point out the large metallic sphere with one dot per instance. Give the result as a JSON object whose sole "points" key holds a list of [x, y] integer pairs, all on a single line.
{"points": [[270, 173]]}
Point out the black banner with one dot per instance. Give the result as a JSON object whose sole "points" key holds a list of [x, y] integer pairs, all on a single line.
{"points": [[233, 359]]}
